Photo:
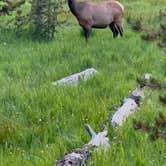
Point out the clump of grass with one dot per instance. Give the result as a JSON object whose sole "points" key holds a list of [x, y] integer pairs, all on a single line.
{"points": [[162, 28], [159, 33], [152, 83], [135, 22], [149, 36], [157, 130], [162, 35], [141, 125], [9, 132]]}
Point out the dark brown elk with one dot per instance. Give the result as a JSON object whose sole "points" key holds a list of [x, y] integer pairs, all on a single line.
{"points": [[98, 15]]}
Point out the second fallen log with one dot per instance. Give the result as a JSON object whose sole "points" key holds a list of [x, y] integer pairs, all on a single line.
{"points": [[75, 78], [129, 105]]}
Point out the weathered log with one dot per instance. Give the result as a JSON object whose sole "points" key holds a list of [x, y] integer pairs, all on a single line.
{"points": [[75, 78], [76, 158], [129, 105], [79, 156]]}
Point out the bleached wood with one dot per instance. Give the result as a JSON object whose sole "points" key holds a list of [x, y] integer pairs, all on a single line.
{"points": [[99, 139], [129, 106], [137, 92], [75, 78]]}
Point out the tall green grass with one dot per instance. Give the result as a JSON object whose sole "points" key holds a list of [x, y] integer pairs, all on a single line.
{"points": [[39, 122]]}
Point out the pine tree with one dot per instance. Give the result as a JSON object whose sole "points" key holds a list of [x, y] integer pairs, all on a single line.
{"points": [[44, 18]]}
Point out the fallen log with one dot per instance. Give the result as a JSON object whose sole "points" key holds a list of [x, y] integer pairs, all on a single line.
{"points": [[129, 105], [76, 158], [75, 78], [79, 156]]}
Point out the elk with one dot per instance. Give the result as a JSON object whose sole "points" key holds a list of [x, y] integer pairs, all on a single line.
{"points": [[98, 15]]}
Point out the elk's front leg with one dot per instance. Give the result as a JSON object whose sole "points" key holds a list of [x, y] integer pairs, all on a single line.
{"points": [[87, 33]]}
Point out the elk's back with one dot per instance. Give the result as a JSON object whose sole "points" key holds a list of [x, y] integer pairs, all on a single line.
{"points": [[99, 14]]}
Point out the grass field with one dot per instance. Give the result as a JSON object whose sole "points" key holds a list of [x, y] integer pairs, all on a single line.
{"points": [[39, 122]]}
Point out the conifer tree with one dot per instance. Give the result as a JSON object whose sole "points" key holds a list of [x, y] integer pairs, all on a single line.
{"points": [[44, 18]]}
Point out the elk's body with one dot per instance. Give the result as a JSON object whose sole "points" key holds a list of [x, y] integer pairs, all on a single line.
{"points": [[98, 15]]}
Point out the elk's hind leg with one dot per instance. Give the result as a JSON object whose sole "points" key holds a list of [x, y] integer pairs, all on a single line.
{"points": [[120, 29], [118, 26], [114, 29]]}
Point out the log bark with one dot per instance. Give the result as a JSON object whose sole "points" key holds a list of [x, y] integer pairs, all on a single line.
{"points": [[79, 156], [75, 78], [76, 158]]}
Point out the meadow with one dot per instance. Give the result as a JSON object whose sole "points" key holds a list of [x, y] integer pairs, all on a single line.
{"points": [[40, 122]]}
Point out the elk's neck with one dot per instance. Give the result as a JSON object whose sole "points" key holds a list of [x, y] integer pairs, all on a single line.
{"points": [[72, 5]]}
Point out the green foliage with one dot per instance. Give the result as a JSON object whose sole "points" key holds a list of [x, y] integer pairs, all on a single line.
{"points": [[40, 21], [4, 7], [157, 130], [2, 4], [47, 114], [20, 22], [40, 122], [44, 17], [162, 31], [136, 23]]}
